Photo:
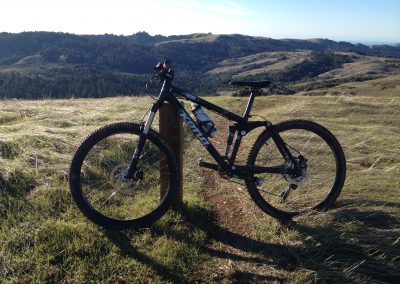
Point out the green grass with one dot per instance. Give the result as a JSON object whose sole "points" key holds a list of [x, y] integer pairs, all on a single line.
{"points": [[45, 238], [358, 240]]}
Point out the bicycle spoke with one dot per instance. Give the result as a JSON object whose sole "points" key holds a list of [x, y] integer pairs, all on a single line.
{"points": [[305, 145], [271, 193], [311, 184], [97, 182], [103, 187], [112, 194]]}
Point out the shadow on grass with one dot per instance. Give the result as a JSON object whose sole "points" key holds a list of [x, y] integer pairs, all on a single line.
{"points": [[369, 219], [359, 242], [344, 255], [357, 251], [123, 242], [200, 218]]}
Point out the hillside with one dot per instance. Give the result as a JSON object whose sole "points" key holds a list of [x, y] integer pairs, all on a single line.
{"points": [[56, 65], [219, 235], [306, 71]]}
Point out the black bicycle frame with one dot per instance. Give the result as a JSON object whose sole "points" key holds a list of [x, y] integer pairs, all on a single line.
{"points": [[241, 127]]}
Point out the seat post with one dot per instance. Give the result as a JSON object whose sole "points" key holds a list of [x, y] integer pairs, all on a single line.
{"points": [[246, 113]]}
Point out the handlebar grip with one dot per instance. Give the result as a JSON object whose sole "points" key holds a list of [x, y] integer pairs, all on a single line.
{"points": [[166, 65], [158, 67], [163, 70]]}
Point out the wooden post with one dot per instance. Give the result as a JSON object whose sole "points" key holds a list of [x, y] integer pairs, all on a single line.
{"points": [[171, 130]]}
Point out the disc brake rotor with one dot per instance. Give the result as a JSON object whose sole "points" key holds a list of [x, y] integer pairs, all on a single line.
{"points": [[301, 171], [124, 186]]}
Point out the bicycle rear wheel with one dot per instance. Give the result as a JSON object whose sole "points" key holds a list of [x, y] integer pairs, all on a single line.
{"points": [[319, 178], [97, 183]]}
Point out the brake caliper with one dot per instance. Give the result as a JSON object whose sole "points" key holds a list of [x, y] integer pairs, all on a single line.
{"points": [[300, 172]]}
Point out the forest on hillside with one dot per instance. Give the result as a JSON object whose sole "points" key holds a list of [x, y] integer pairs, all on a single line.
{"points": [[36, 65]]}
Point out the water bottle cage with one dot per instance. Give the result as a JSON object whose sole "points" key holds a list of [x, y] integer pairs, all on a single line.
{"points": [[209, 124]]}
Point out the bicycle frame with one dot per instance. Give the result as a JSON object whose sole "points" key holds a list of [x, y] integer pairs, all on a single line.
{"points": [[241, 127]]}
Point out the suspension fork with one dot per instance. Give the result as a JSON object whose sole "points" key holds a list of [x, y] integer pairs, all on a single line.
{"points": [[144, 130]]}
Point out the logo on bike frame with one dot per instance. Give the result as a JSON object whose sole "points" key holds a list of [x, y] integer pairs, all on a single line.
{"points": [[194, 128], [190, 96]]}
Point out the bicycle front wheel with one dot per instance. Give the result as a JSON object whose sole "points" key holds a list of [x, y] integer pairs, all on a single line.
{"points": [[97, 178], [319, 176]]}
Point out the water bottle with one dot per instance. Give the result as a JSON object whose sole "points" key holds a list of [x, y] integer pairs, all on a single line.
{"points": [[203, 121]]}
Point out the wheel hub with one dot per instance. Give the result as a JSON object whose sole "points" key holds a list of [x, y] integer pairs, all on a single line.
{"points": [[300, 171], [123, 185]]}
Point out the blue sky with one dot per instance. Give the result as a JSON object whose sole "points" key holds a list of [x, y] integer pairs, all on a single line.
{"points": [[355, 20]]}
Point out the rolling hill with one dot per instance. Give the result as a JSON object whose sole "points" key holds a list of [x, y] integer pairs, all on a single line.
{"points": [[218, 235], [57, 65]]}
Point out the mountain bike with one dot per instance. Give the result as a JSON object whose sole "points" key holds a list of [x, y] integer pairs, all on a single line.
{"points": [[294, 166]]}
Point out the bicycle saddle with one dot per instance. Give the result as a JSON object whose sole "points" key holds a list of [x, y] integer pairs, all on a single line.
{"points": [[252, 84]]}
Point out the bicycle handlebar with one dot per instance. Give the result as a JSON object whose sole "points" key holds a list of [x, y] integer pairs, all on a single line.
{"points": [[164, 72]]}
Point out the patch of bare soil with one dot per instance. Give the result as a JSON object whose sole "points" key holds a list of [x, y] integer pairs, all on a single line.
{"points": [[228, 197], [230, 241], [227, 201], [240, 258]]}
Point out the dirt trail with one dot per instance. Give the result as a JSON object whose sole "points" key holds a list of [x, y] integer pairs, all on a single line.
{"points": [[230, 240], [240, 258]]}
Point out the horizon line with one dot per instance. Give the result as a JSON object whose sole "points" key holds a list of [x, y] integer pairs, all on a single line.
{"points": [[368, 41]]}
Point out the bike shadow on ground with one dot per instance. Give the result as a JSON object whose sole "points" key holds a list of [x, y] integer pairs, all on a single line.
{"points": [[197, 217], [122, 240], [361, 237], [338, 254]]}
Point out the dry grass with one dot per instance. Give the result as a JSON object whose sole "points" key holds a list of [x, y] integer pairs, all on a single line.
{"points": [[374, 67], [269, 63], [44, 238], [358, 240], [260, 63]]}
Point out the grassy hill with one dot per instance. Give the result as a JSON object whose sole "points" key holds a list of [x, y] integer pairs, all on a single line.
{"points": [[56, 65], [218, 235], [306, 70]]}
